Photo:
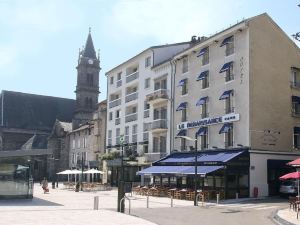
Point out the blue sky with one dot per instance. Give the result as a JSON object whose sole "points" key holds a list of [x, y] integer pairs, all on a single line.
{"points": [[39, 40]]}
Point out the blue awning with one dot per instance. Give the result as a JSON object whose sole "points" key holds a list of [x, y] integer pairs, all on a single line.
{"points": [[295, 99], [226, 127], [181, 133], [180, 170], [182, 82], [182, 106], [226, 94], [207, 157], [202, 51], [226, 41], [202, 131], [296, 130], [226, 66], [201, 101], [202, 75]]}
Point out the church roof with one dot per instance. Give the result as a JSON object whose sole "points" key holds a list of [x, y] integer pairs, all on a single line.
{"points": [[89, 50], [34, 112], [37, 141]]}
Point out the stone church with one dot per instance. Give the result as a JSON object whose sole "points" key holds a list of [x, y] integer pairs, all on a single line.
{"points": [[51, 134]]}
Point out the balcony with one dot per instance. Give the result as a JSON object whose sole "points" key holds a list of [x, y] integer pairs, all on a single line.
{"points": [[114, 103], [158, 96], [117, 121], [130, 97], [132, 76], [159, 125], [146, 113], [295, 85], [119, 83], [152, 157], [131, 117]]}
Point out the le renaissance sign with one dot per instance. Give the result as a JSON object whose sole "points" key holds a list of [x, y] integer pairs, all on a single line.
{"points": [[209, 121]]}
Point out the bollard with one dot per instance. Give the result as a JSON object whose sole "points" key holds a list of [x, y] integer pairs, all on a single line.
{"points": [[148, 201], [96, 202], [171, 201], [218, 198], [237, 195]]}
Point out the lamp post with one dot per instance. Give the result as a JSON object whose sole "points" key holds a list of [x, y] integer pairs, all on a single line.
{"points": [[121, 192], [196, 162]]}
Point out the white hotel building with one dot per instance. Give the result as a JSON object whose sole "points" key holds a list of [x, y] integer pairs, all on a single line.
{"points": [[139, 103]]}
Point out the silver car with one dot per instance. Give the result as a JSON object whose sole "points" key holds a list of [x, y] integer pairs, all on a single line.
{"points": [[288, 187]]}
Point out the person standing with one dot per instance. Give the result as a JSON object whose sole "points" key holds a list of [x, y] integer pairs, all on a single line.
{"points": [[45, 185]]}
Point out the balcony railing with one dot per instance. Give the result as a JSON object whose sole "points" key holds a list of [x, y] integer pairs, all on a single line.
{"points": [[146, 113], [131, 117], [295, 84], [117, 121], [158, 95], [114, 103], [119, 83], [132, 76], [160, 124], [132, 96], [152, 157]]}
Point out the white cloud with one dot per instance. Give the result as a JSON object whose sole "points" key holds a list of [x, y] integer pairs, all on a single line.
{"points": [[169, 20]]}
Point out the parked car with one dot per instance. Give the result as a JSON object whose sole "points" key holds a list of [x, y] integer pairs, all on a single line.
{"points": [[288, 187]]}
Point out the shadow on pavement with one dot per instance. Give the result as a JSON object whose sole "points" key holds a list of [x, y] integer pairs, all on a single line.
{"points": [[27, 202]]}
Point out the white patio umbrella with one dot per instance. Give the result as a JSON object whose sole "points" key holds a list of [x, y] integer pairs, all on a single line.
{"points": [[65, 172], [93, 171]]}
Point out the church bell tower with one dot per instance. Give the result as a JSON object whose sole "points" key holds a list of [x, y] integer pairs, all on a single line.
{"points": [[87, 89]]}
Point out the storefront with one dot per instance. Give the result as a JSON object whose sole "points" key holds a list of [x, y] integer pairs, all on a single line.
{"points": [[224, 171]]}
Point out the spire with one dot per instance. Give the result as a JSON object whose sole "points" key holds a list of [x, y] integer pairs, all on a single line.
{"points": [[89, 50]]}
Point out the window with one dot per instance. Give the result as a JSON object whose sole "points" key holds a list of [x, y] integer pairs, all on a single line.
{"points": [[110, 115], [205, 81], [156, 85], [117, 136], [205, 57], [229, 46], [111, 80], [118, 114], [148, 61], [183, 115], [155, 144], [73, 143], [145, 148], [146, 105], [184, 89], [147, 83], [204, 110], [229, 138], [78, 142], [296, 105], [163, 144], [109, 137], [296, 77], [228, 105], [73, 158], [204, 141], [164, 84], [134, 129], [119, 76], [134, 109], [182, 144], [134, 133], [185, 65], [297, 137], [127, 134], [229, 73]]}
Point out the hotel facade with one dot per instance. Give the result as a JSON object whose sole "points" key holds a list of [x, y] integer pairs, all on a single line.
{"points": [[139, 104], [238, 90]]}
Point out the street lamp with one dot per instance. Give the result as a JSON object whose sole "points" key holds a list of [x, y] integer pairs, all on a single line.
{"points": [[196, 162], [121, 192]]}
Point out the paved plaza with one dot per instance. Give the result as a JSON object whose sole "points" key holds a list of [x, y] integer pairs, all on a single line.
{"points": [[63, 206]]}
